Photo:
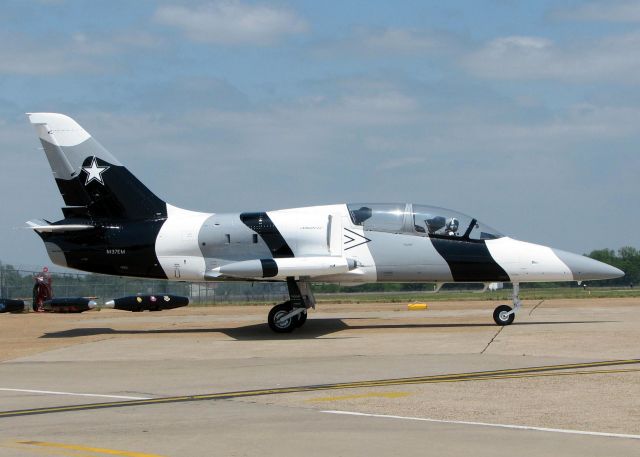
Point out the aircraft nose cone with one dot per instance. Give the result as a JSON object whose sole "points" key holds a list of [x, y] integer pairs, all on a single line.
{"points": [[585, 268]]}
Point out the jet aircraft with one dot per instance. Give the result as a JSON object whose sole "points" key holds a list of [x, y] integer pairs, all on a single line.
{"points": [[113, 224]]}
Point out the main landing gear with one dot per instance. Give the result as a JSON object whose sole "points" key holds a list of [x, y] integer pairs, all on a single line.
{"points": [[287, 316], [505, 315]]}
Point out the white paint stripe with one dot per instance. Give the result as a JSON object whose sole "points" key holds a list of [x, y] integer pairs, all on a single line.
{"points": [[49, 392], [484, 424]]}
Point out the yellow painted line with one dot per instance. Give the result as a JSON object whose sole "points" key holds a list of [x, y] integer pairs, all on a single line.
{"points": [[96, 450], [471, 376], [46, 451], [359, 396]]}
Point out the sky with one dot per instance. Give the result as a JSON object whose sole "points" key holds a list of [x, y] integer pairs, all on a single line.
{"points": [[525, 115]]}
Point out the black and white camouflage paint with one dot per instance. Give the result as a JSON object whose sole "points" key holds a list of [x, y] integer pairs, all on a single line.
{"points": [[114, 225]]}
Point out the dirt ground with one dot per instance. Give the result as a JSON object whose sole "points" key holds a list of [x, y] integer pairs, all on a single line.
{"points": [[32, 333]]}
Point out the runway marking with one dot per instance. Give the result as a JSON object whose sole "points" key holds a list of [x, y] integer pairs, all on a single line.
{"points": [[51, 392], [547, 370], [358, 396], [96, 450], [507, 376], [486, 424]]}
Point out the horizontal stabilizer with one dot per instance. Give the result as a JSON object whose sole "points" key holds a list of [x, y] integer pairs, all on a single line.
{"points": [[44, 227]]}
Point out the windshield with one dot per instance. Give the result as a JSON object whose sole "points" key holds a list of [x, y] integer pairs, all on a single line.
{"points": [[379, 217], [419, 220]]}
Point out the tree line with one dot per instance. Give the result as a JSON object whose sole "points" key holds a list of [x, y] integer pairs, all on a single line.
{"points": [[626, 258]]}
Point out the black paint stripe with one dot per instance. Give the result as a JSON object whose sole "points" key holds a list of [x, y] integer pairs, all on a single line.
{"points": [[262, 224], [470, 260], [269, 268]]}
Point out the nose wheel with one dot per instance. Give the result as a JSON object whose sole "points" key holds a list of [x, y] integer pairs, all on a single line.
{"points": [[504, 314]]}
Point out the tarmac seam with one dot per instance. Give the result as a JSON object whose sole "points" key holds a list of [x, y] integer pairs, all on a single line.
{"points": [[535, 307], [548, 370], [494, 337]]}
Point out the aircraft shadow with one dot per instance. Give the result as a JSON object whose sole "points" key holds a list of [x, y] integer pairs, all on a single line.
{"points": [[314, 328]]}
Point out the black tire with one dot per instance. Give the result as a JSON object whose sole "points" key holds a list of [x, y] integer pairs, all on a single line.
{"points": [[500, 315], [279, 311], [34, 302], [301, 318]]}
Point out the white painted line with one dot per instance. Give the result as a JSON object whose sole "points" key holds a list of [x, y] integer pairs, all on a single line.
{"points": [[484, 424], [49, 392]]}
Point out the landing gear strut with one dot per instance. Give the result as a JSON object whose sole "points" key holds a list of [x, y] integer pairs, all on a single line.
{"points": [[505, 315], [287, 316]]}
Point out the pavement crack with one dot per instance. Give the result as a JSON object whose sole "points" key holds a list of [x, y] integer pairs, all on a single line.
{"points": [[534, 308], [494, 337]]}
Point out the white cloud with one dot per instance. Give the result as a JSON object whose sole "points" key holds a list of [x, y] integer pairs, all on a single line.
{"points": [[27, 57], [232, 22], [137, 39], [371, 41], [609, 59], [396, 40], [75, 53], [602, 11]]}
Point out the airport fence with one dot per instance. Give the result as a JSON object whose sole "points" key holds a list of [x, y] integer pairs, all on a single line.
{"points": [[19, 283]]}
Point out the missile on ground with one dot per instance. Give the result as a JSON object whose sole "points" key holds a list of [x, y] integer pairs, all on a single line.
{"points": [[11, 306], [69, 305], [138, 303]]}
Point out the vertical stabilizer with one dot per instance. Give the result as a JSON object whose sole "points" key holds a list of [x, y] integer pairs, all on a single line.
{"points": [[89, 176]]}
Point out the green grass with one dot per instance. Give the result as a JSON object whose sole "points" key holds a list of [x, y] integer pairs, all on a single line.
{"points": [[505, 294], [500, 295]]}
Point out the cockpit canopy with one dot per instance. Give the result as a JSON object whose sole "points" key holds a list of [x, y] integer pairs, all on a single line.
{"points": [[419, 220]]}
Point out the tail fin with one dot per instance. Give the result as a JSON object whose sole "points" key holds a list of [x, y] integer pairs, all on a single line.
{"points": [[92, 181]]}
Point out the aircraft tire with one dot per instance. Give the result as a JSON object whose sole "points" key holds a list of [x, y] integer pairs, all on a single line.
{"points": [[276, 312], [500, 317], [301, 319]]}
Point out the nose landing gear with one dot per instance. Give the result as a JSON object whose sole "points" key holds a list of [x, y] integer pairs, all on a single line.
{"points": [[505, 315], [287, 316]]}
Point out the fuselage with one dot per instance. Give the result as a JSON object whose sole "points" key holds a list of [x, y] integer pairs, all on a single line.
{"points": [[345, 243], [113, 224]]}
